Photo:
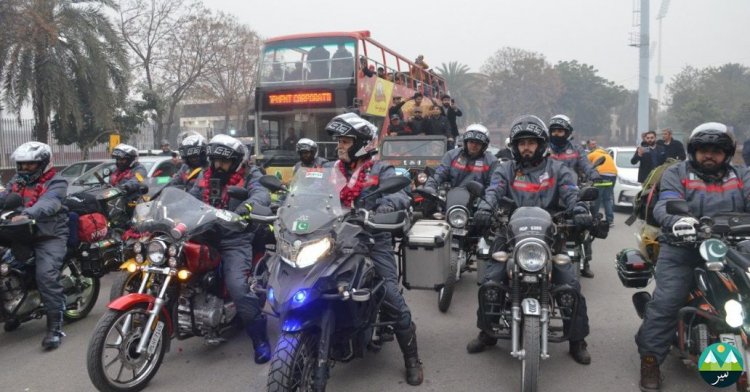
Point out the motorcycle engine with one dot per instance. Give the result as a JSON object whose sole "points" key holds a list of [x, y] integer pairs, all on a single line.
{"points": [[12, 293], [699, 339], [208, 312]]}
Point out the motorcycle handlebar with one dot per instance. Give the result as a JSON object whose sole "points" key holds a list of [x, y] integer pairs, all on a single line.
{"points": [[381, 226]]}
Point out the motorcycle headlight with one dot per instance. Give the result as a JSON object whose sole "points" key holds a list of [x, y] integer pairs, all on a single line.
{"points": [[531, 255], [458, 217], [156, 252], [312, 252], [735, 314], [421, 178]]}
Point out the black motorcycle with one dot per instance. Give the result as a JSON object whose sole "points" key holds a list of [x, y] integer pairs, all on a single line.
{"points": [[529, 309], [322, 284], [19, 295]]}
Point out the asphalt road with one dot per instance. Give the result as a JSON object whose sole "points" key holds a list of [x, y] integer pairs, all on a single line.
{"points": [[193, 366]]}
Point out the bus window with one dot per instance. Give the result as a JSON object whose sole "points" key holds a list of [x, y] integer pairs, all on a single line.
{"points": [[307, 59]]}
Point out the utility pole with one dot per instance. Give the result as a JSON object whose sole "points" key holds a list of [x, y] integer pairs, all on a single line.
{"points": [[659, 80], [643, 79]]}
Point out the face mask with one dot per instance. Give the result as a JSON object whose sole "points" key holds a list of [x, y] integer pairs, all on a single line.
{"points": [[558, 140]]}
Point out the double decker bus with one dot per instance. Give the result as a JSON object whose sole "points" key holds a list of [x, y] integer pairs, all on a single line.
{"points": [[307, 79]]}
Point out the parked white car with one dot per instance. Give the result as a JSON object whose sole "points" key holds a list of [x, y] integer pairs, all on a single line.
{"points": [[627, 185]]}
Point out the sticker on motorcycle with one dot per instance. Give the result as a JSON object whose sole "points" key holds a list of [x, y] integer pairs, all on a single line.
{"points": [[314, 174], [300, 226], [155, 338]]}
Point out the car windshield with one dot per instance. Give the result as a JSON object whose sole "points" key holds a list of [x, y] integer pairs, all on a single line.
{"points": [[623, 159], [313, 200], [414, 148], [89, 178]]}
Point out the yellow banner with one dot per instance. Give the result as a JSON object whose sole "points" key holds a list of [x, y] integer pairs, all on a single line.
{"points": [[114, 140], [380, 98]]}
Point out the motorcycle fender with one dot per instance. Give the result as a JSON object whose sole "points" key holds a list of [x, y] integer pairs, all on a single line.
{"points": [[128, 301], [531, 307], [124, 266]]}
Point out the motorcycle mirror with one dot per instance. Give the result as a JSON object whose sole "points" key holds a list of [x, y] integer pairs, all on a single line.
{"points": [[475, 189], [143, 189], [13, 201], [272, 183], [588, 193], [678, 207], [237, 192], [598, 162]]}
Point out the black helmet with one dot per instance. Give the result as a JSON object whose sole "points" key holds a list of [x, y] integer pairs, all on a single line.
{"points": [[191, 147], [127, 152], [560, 121], [529, 127], [229, 148], [712, 134], [362, 131], [32, 152]]}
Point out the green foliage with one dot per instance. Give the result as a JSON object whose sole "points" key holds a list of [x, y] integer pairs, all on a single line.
{"points": [[711, 94], [466, 88]]}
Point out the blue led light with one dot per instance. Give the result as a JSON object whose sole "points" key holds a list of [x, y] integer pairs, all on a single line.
{"points": [[300, 296], [291, 325], [270, 293]]}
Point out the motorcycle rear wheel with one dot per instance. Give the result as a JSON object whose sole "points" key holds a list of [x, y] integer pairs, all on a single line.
{"points": [[532, 353], [110, 346], [293, 362], [445, 294], [88, 295]]}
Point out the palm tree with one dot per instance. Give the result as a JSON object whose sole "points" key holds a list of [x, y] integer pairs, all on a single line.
{"points": [[65, 56], [466, 87]]}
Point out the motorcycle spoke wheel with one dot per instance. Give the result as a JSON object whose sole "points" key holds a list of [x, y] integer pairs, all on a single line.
{"points": [[112, 360], [88, 293]]}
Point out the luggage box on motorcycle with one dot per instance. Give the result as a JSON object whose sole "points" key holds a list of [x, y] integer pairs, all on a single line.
{"points": [[427, 254], [632, 269]]}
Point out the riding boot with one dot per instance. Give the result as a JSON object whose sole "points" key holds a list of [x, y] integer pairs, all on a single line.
{"points": [[257, 332], [407, 341], [53, 338], [587, 272], [650, 375], [480, 343], [579, 352]]}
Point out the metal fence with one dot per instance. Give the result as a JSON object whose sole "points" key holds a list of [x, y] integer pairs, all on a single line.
{"points": [[14, 133]]}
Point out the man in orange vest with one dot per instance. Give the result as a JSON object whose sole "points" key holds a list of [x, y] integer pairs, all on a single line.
{"points": [[608, 173]]}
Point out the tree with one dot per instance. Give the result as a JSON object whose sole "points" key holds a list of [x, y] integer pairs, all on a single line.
{"points": [[520, 82], [587, 98], [467, 88], [57, 51]]}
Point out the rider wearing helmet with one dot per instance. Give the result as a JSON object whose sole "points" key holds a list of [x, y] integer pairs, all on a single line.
{"points": [[710, 185], [42, 192], [472, 162], [561, 148], [129, 173], [193, 154], [531, 179], [227, 167], [308, 154], [356, 146]]}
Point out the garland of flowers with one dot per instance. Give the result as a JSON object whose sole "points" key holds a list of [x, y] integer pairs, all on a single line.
{"points": [[237, 179], [38, 190], [350, 193], [118, 176]]}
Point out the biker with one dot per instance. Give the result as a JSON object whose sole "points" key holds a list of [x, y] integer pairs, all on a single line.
{"points": [[308, 154], [357, 140], [532, 179], [227, 167], [193, 152], [710, 185], [43, 192], [129, 173], [575, 159], [472, 162]]}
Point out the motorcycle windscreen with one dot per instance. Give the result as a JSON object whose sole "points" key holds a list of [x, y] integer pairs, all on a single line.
{"points": [[458, 196], [530, 221], [179, 213], [313, 201]]}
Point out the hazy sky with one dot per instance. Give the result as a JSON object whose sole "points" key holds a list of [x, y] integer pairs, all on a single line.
{"points": [[695, 32]]}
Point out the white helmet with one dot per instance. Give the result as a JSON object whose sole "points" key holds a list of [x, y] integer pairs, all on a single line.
{"points": [[127, 152], [229, 148], [479, 134], [32, 152]]}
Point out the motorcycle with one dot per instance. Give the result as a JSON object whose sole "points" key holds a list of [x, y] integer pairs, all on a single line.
{"points": [[20, 297], [321, 283], [579, 240], [181, 293], [716, 309], [529, 309]]}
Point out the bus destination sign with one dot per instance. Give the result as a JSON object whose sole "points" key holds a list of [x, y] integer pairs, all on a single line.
{"points": [[302, 98]]}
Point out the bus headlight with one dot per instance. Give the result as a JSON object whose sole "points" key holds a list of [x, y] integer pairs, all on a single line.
{"points": [[531, 255]]}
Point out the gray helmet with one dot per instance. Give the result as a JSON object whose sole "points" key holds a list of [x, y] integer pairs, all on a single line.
{"points": [[227, 147], [127, 152], [529, 127], [306, 144], [32, 152], [194, 146], [353, 126]]}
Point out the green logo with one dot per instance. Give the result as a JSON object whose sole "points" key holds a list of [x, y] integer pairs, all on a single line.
{"points": [[721, 365], [278, 174], [301, 227]]}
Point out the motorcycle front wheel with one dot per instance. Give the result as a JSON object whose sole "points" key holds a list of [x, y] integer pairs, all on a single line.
{"points": [[532, 349], [445, 295], [112, 361], [85, 294], [293, 362]]}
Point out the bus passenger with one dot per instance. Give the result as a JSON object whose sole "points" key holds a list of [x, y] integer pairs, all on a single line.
{"points": [[318, 59], [341, 63]]}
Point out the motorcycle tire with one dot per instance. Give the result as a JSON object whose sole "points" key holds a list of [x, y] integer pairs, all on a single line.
{"points": [[98, 364], [293, 362], [532, 348], [90, 287], [124, 284], [11, 325], [445, 294]]}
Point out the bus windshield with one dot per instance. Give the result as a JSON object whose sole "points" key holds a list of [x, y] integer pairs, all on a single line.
{"points": [[328, 58]]}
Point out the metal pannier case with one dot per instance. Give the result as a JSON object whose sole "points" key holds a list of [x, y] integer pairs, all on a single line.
{"points": [[427, 255]]}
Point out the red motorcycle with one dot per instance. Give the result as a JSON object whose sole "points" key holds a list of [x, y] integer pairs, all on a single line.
{"points": [[181, 293]]}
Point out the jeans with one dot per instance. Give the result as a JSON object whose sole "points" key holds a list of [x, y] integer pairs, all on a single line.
{"points": [[607, 199]]}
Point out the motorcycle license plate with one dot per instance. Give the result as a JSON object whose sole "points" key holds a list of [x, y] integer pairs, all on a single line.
{"points": [[460, 232], [734, 340], [155, 337]]}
